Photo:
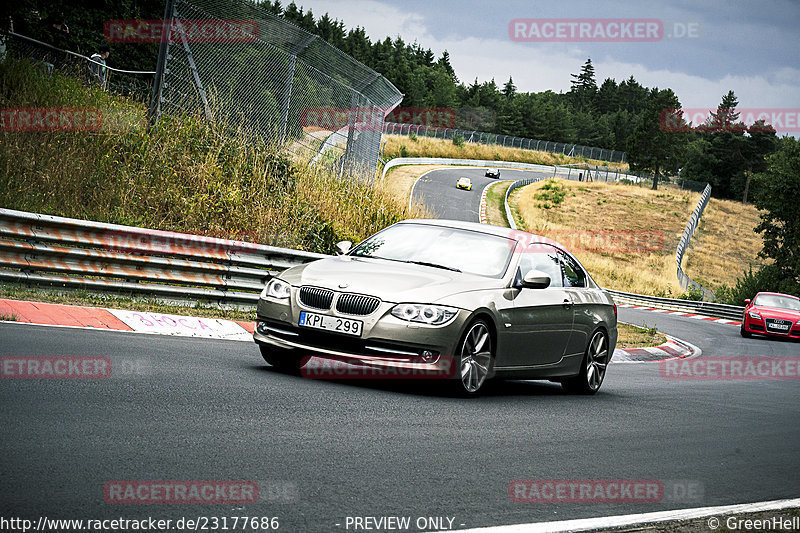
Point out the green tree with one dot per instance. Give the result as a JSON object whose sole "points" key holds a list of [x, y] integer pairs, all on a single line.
{"points": [[607, 100], [760, 142], [778, 196], [584, 87], [652, 146], [444, 62], [509, 89]]}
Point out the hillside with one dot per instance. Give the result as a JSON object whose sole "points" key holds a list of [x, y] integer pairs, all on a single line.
{"points": [[183, 176], [626, 235], [419, 146]]}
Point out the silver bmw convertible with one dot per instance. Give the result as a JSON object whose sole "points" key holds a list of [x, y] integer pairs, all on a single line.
{"points": [[462, 301]]}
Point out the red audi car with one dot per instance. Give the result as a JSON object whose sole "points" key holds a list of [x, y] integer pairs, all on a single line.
{"points": [[772, 313]]}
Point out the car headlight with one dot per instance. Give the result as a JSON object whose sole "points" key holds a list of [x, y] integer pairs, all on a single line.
{"points": [[755, 315], [433, 315], [277, 288]]}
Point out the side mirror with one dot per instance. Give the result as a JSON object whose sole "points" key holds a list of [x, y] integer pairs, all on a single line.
{"points": [[342, 247], [747, 302], [536, 279]]}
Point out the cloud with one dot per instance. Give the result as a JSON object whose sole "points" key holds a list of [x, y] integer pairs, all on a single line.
{"points": [[379, 19], [543, 67]]}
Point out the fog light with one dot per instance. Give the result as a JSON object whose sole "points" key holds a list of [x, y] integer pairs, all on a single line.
{"points": [[428, 356], [262, 328]]}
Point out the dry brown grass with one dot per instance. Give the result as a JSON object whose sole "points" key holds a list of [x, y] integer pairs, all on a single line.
{"points": [[432, 147], [631, 336], [614, 213], [399, 181], [186, 175], [725, 244], [594, 215], [495, 203]]}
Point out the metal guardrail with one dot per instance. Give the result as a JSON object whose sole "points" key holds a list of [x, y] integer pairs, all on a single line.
{"points": [[683, 244], [519, 183], [48, 250], [731, 312]]}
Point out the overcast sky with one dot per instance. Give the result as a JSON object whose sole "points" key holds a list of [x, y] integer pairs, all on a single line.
{"points": [[750, 47]]}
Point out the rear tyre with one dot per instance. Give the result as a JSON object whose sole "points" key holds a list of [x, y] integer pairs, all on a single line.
{"points": [[593, 367], [285, 361]]}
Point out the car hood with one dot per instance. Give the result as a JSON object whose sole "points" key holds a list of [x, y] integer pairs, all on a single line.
{"points": [[776, 312], [388, 280]]}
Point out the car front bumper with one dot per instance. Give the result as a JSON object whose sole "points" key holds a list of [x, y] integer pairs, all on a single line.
{"points": [[386, 341], [758, 327]]}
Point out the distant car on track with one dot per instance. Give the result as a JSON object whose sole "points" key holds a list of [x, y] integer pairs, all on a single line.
{"points": [[464, 301], [493, 173], [772, 313], [464, 183]]}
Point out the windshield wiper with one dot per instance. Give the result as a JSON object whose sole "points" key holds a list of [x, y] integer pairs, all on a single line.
{"points": [[434, 265], [423, 263]]}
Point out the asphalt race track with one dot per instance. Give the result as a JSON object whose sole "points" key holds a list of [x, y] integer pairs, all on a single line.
{"points": [[437, 190], [200, 409]]}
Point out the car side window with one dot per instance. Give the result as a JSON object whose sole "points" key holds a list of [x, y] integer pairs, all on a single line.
{"points": [[574, 276], [544, 258]]}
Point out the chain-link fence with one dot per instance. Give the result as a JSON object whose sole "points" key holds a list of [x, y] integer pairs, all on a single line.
{"points": [[274, 79], [482, 137], [132, 84]]}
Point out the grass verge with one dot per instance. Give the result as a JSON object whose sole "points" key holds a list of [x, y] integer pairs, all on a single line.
{"points": [[631, 336], [626, 235], [187, 174], [8, 318], [495, 203], [399, 181], [403, 146]]}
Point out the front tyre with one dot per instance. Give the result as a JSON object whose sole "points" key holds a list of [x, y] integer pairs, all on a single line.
{"points": [[285, 361], [593, 367], [746, 334], [476, 355]]}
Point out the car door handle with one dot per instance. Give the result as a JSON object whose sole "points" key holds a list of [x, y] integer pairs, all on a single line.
{"points": [[567, 304]]}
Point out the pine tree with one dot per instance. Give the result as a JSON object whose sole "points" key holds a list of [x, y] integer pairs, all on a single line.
{"points": [[509, 89], [444, 62], [584, 87], [726, 117], [653, 147]]}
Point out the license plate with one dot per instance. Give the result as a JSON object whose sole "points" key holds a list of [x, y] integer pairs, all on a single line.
{"points": [[331, 323], [783, 327]]}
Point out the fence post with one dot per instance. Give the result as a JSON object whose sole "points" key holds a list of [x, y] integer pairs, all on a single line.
{"points": [[154, 111], [287, 89]]}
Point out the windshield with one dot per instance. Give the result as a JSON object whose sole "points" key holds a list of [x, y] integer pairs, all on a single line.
{"points": [[448, 248], [781, 302]]}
